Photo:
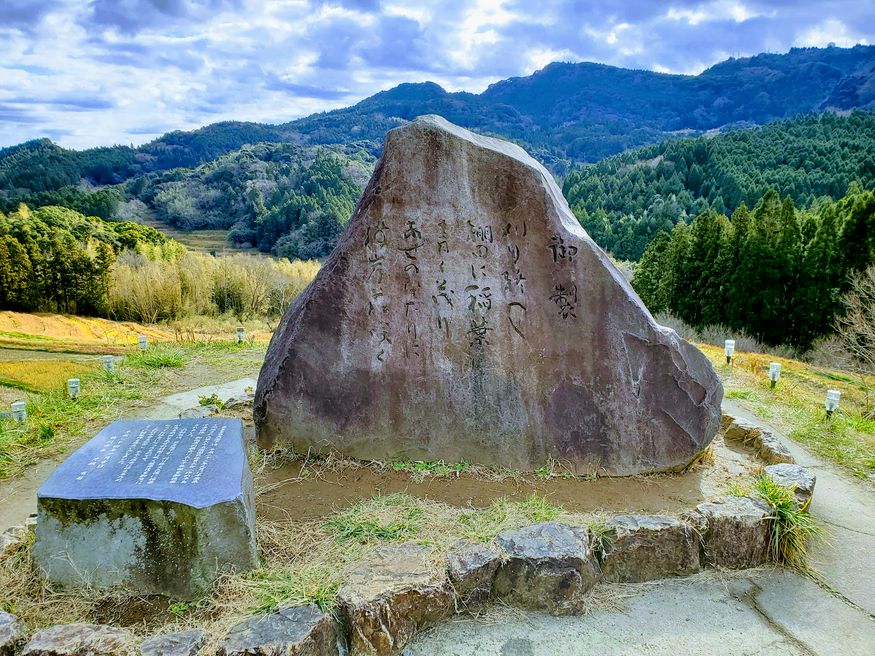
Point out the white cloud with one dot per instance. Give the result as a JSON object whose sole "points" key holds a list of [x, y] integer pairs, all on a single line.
{"points": [[831, 31]]}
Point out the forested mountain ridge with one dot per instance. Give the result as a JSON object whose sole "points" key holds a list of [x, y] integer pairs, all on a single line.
{"points": [[625, 200], [565, 112]]}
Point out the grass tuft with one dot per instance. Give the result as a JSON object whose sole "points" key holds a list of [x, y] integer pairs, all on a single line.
{"points": [[159, 356], [380, 519], [792, 525]]}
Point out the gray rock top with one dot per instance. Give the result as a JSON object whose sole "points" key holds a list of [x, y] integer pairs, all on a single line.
{"points": [[11, 633], [549, 540], [182, 643], [740, 507], [389, 570], [632, 523], [466, 315], [80, 640], [303, 630]]}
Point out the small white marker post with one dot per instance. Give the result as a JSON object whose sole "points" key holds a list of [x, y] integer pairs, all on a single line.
{"points": [[832, 401], [109, 363], [774, 373], [19, 411], [143, 342], [241, 334], [729, 347], [73, 387]]}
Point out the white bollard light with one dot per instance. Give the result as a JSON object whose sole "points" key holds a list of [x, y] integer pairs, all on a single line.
{"points": [[774, 372], [73, 387], [143, 342], [241, 334], [19, 411], [109, 363], [832, 401], [729, 347]]}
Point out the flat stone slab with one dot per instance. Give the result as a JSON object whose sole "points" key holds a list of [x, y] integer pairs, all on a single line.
{"points": [[648, 547], [11, 633], [150, 506], [81, 640], [795, 477], [296, 631], [181, 643], [471, 567], [466, 315], [735, 531], [384, 601], [548, 566]]}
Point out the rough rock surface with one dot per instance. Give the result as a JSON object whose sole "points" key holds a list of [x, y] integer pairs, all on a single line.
{"points": [[81, 640], [471, 567], [735, 531], [799, 478], [768, 447], [549, 566], [647, 547], [182, 643], [11, 633], [465, 315], [772, 450], [296, 631], [385, 600]]}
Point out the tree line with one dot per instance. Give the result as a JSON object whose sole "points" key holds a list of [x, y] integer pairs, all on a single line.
{"points": [[54, 259], [777, 272], [623, 202]]}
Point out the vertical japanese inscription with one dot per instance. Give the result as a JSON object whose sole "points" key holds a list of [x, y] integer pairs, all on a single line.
{"points": [[411, 243], [478, 291], [513, 280], [376, 243]]}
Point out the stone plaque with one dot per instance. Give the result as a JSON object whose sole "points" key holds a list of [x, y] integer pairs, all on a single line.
{"points": [[154, 506], [466, 315]]}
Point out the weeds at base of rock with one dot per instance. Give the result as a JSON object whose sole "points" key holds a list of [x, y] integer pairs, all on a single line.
{"points": [[792, 526]]}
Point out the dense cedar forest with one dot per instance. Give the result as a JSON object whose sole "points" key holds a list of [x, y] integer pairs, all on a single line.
{"points": [[696, 151], [625, 200], [774, 271]]}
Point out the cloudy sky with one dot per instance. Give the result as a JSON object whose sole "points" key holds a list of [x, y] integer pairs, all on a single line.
{"points": [[98, 72]]}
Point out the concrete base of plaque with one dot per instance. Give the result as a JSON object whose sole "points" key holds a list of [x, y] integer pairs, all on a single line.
{"points": [[151, 507]]}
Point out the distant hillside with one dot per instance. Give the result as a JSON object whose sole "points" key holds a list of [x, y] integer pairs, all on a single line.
{"points": [[625, 200], [565, 112]]}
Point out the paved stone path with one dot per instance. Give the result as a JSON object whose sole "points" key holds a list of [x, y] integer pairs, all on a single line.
{"points": [[766, 611]]}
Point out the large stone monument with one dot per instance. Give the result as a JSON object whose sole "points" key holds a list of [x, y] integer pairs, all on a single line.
{"points": [[153, 507], [465, 315]]}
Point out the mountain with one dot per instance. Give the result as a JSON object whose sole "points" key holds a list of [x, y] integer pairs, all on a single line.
{"points": [[566, 114]]}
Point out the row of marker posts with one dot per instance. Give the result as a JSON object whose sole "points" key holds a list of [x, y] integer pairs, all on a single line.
{"points": [[831, 403], [74, 385]]}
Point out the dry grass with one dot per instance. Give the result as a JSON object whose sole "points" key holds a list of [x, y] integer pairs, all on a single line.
{"points": [[795, 405], [42, 375], [302, 562]]}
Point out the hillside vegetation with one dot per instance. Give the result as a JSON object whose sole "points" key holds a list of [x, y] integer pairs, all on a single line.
{"points": [[624, 201]]}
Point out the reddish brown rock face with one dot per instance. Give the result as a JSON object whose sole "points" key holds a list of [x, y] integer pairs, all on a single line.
{"points": [[465, 315]]}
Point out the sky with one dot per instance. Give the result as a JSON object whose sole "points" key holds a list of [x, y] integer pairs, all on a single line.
{"points": [[99, 72]]}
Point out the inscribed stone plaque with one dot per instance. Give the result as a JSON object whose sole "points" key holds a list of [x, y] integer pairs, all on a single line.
{"points": [[466, 315], [154, 506]]}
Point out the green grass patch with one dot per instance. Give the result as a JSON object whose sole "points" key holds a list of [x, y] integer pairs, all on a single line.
{"points": [[847, 439], [275, 589], [437, 468], [740, 394], [391, 518], [159, 356]]}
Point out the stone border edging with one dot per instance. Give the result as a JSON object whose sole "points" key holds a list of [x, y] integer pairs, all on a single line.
{"points": [[403, 588]]}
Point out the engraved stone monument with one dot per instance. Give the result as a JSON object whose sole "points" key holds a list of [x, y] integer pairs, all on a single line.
{"points": [[466, 315], [153, 507]]}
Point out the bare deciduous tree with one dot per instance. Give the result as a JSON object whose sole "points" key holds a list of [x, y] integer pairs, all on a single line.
{"points": [[856, 328]]}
